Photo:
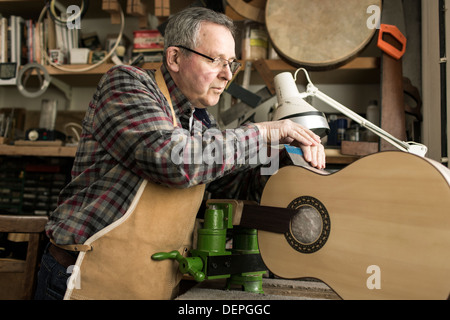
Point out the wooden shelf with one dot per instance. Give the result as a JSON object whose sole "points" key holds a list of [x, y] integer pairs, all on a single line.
{"points": [[59, 151], [358, 64], [99, 70], [88, 78], [333, 155], [359, 70]]}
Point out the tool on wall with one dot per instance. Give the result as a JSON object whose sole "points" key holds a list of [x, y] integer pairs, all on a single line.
{"points": [[393, 45], [44, 80]]}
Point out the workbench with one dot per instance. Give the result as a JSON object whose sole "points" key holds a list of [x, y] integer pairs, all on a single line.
{"points": [[274, 289]]}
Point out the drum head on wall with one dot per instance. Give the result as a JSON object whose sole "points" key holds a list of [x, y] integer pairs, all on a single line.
{"points": [[320, 34], [249, 9]]}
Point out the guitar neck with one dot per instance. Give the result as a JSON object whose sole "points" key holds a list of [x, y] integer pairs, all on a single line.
{"points": [[266, 218]]}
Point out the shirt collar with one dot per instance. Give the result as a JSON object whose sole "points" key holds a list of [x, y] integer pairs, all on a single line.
{"points": [[180, 103]]}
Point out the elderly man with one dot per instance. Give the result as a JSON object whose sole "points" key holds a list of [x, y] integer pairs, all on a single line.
{"points": [[128, 135]]}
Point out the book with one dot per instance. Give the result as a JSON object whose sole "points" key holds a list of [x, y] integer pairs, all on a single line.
{"points": [[12, 39], [50, 33], [4, 40]]}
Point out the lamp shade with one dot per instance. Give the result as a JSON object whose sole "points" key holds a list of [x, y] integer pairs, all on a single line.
{"points": [[292, 106]]}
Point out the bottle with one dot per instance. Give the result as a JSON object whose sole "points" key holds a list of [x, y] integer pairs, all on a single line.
{"points": [[373, 115], [341, 128], [332, 136]]}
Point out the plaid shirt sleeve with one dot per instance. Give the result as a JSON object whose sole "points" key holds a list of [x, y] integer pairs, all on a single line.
{"points": [[133, 123], [129, 135]]}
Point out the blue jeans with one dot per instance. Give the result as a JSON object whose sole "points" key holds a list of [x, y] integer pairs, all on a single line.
{"points": [[52, 279]]}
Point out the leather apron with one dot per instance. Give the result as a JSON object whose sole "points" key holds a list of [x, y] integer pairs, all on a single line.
{"points": [[115, 263]]}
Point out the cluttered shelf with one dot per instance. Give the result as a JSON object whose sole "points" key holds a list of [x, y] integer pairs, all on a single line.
{"points": [[359, 70], [76, 49], [360, 63]]}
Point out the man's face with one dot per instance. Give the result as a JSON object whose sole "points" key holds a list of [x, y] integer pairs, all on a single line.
{"points": [[198, 79]]}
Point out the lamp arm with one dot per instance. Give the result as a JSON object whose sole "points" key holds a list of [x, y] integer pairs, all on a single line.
{"points": [[411, 147]]}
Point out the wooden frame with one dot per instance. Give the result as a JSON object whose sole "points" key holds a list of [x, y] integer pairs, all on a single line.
{"points": [[33, 226]]}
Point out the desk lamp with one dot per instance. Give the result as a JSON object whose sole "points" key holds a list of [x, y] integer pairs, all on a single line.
{"points": [[291, 105]]}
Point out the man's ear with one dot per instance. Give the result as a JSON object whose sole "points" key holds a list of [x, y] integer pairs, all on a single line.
{"points": [[173, 58]]}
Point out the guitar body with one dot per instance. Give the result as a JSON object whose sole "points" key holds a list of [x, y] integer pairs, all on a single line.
{"points": [[384, 227]]}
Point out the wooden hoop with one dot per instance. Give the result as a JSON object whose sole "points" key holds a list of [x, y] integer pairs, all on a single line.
{"points": [[253, 9], [319, 33]]}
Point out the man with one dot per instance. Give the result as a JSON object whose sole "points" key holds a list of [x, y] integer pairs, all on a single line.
{"points": [[128, 135]]}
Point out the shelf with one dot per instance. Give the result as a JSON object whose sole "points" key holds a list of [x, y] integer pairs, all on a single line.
{"points": [[333, 155], [59, 151], [359, 70], [88, 78], [358, 64], [99, 70]]}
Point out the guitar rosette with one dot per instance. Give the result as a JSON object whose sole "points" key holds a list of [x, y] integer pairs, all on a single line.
{"points": [[310, 227]]}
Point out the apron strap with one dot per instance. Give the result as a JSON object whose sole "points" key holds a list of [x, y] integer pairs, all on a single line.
{"points": [[163, 87], [73, 247]]}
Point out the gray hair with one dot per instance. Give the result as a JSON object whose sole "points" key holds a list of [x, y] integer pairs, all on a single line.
{"points": [[183, 28]]}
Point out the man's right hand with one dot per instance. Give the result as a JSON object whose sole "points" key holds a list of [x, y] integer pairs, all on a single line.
{"points": [[289, 132]]}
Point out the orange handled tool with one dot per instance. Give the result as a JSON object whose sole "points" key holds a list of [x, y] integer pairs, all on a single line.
{"points": [[388, 48]]}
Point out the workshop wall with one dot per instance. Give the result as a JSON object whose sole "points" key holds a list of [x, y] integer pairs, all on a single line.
{"points": [[355, 96]]}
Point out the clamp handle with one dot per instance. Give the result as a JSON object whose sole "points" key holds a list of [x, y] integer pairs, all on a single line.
{"points": [[389, 48], [191, 265]]}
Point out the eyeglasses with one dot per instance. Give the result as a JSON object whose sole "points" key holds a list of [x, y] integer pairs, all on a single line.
{"points": [[233, 64]]}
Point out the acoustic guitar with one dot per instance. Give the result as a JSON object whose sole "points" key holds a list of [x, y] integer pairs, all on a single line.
{"points": [[377, 229]]}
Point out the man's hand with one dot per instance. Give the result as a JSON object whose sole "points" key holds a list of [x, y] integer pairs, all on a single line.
{"points": [[315, 155], [289, 132]]}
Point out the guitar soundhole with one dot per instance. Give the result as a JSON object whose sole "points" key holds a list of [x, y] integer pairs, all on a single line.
{"points": [[310, 227]]}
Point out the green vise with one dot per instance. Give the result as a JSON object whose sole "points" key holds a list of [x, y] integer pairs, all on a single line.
{"points": [[241, 265]]}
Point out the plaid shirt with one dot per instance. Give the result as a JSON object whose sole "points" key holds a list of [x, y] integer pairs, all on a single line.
{"points": [[127, 137]]}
